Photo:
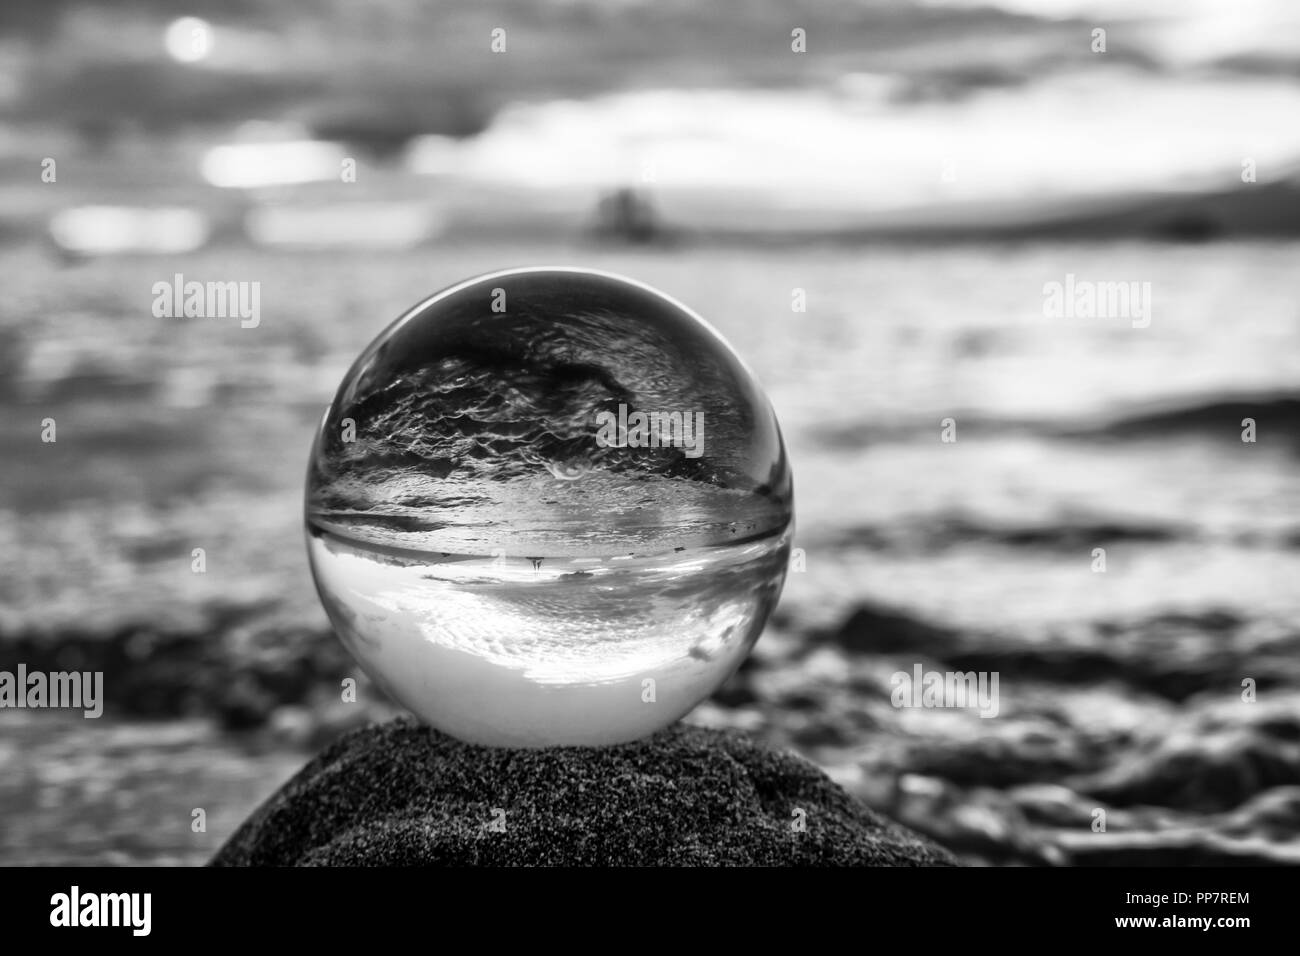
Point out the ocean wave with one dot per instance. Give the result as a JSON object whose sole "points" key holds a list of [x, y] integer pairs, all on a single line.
{"points": [[937, 532], [1276, 415], [1170, 655]]}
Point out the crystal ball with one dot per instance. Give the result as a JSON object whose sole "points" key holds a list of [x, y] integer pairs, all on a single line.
{"points": [[549, 507]]}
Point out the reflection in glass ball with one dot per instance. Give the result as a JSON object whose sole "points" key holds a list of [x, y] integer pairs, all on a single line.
{"points": [[549, 506]]}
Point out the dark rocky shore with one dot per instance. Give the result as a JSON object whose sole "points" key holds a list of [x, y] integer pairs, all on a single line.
{"points": [[1185, 771], [401, 794]]}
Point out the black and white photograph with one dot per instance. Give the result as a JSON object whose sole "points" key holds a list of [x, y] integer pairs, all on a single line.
{"points": [[626, 434]]}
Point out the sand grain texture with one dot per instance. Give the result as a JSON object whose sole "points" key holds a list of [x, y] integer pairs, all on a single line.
{"points": [[400, 794]]}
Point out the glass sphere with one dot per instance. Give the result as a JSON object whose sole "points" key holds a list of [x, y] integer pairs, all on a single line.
{"points": [[549, 506]]}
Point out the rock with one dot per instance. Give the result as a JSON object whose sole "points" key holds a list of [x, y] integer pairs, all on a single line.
{"points": [[1271, 815], [1174, 656], [995, 753], [880, 630], [403, 794], [981, 823], [1221, 757], [1175, 848]]}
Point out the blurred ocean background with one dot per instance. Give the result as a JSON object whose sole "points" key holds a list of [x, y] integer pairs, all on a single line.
{"points": [[913, 180]]}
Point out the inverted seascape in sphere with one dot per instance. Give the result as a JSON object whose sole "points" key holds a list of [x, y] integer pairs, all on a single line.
{"points": [[547, 507]]}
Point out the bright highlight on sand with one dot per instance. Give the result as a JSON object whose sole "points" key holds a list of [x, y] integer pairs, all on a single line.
{"points": [[188, 39]]}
